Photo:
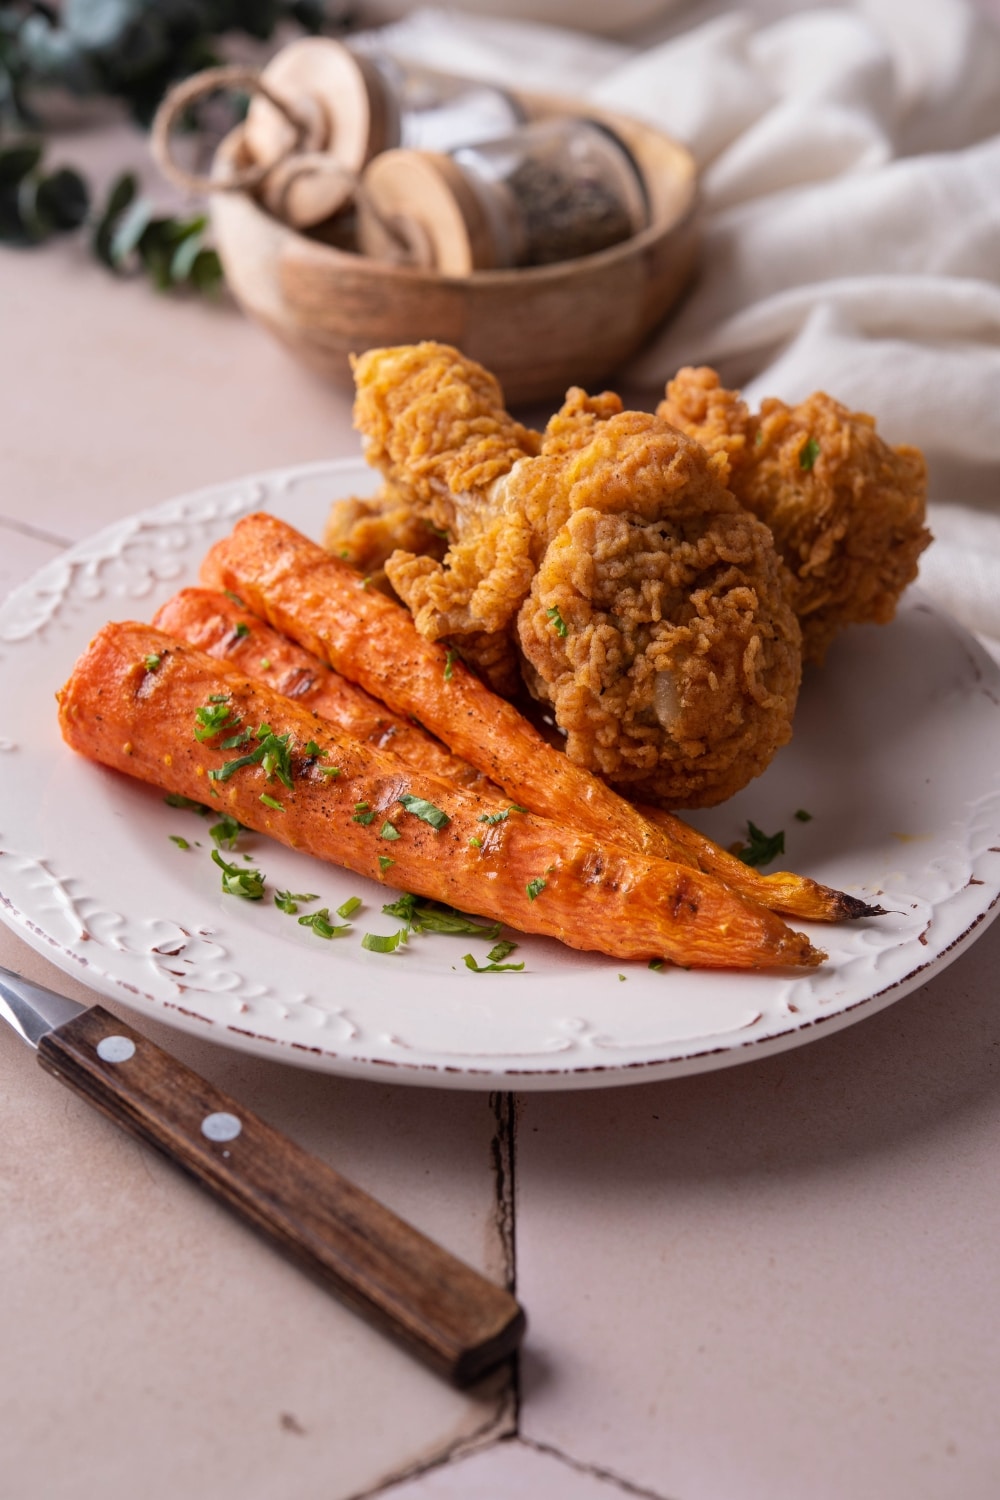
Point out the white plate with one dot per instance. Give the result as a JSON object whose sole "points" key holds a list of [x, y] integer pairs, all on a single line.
{"points": [[895, 757]]}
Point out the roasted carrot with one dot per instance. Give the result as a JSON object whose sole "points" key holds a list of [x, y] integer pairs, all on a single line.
{"points": [[220, 625], [795, 895], [323, 604], [136, 696]]}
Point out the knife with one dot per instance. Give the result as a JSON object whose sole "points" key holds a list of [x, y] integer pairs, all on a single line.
{"points": [[453, 1318]]}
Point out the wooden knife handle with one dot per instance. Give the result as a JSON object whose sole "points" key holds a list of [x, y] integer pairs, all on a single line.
{"points": [[457, 1321]]}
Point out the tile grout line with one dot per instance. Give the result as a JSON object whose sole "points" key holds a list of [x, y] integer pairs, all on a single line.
{"points": [[504, 1147], [463, 1448], [502, 1153], [607, 1476]]}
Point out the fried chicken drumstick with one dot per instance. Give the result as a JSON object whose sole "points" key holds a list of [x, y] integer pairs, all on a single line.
{"points": [[846, 510], [648, 605]]}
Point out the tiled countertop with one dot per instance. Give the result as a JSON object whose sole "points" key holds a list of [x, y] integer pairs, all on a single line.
{"points": [[774, 1282]]}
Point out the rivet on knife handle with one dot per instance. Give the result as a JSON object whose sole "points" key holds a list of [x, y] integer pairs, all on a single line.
{"points": [[454, 1318]]}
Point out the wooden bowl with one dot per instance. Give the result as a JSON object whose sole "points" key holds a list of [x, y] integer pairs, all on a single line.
{"points": [[538, 330]]}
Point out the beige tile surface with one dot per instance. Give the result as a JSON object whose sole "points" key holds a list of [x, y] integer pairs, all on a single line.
{"points": [[153, 1345], [778, 1281], [771, 1283], [150, 1344]]}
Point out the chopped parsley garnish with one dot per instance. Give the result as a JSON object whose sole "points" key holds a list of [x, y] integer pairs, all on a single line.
{"points": [[558, 623], [802, 816], [389, 831], [808, 453], [762, 847], [384, 861], [236, 882], [288, 901], [182, 843], [425, 811], [271, 802], [500, 817], [535, 888], [349, 907], [375, 943], [330, 771], [501, 950], [242, 630], [277, 754], [491, 967], [235, 598], [174, 799], [273, 753], [311, 748], [213, 717], [431, 916], [265, 664], [363, 814], [475, 843], [319, 922], [226, 831], [237, 741], [655, 963], [449, 663], [152, 661]]}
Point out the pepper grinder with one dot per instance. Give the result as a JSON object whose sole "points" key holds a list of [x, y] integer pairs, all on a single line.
{"points": [[552, 190]]}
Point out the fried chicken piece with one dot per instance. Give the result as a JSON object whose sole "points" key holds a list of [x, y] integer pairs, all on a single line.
{"points": [[648, 605], [435, 424], [365, 532], [657, 623], [846, 510]]}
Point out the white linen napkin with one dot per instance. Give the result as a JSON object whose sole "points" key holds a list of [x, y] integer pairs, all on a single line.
{"points": [[850, 160]]}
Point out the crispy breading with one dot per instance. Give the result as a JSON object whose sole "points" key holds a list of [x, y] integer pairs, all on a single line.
{"points": [[846, 509], [436, 421], [647, 603], [366, 531], [657, 623]]}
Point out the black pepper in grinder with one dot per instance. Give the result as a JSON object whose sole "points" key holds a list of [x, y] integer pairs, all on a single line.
{"points": [[549, 191]]}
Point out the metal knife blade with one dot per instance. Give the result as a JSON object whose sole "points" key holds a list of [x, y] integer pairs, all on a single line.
{"points": [[33, 1010], [460, 1323]]}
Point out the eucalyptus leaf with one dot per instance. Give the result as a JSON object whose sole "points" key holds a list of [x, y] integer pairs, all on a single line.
{"points": [[184, 257], [128, 231], [120, 195], [63, 199], [34, 225], [17, 161], [100, 25], [12, 230], [50, 53], [206, 272]]}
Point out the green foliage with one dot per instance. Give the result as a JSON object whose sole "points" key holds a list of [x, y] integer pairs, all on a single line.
{"points": [[130, 50], [35, 204], [128, 237]]}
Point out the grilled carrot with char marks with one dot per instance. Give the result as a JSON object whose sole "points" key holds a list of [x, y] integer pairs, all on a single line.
{"points": [[136, 695], [795, 895], [322, 604], [218, 624]]}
